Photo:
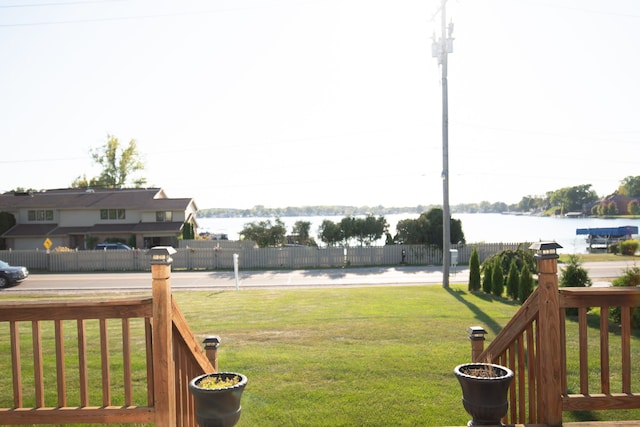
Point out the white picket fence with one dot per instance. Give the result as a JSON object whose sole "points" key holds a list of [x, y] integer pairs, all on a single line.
{"points": [[220, 257]]}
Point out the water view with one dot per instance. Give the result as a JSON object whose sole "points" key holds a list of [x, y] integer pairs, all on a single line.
{"points": [[490, 228]]}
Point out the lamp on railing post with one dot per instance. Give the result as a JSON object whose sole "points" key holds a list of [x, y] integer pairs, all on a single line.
{"points": [[211, 344], [162, 324], [549, 332], [476, 335]]}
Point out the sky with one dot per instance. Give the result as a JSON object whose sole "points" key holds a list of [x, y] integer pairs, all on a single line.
{"points": [[323, 102]]}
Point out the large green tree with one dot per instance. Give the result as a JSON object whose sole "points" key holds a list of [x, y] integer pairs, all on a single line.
{"points": [[573, 199], [630, 186], [427, 229], [118, 164], [370, 229], [265, 233]]}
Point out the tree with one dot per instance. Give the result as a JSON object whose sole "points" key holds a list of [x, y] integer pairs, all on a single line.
{"points": [[264, 233], [7, 220], [630, 186], [573, 198], [188, 233], [474, 270], [633, 207], [118, 164], [497, 279], [301, 230], [427, 229], [369, 229], [330, 233], [525, 287], [513, 279], [348, 227]]}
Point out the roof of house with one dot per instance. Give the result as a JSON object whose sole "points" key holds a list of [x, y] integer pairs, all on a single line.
{"points": [[35, 230], [77, 198]]}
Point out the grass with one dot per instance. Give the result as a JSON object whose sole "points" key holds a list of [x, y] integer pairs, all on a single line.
{"points": [[380, 356]]}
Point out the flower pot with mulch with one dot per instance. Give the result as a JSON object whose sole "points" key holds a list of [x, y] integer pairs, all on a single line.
{"points": [[484, 391], [217, 398]]}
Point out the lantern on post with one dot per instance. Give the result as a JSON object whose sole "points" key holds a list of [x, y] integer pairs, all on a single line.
{"points": [[545, 250], [476, 335], [161, 255], [211, 344]]}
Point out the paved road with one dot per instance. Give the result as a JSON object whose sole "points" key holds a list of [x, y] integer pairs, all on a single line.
{"points": [[600, 273]]}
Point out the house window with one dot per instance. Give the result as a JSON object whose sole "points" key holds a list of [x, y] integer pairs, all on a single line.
{"points": [[40, 215], [162, 216], [112, 214]]}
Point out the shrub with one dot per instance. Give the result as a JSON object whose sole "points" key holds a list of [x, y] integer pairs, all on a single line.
{"points": [[497, 280], [513, 277], [474, 271], [629, 247], [574, 275], [486, 279], [631, 277]]}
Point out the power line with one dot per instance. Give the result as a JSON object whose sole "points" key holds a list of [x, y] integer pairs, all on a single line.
{"points": [[68, 3]]}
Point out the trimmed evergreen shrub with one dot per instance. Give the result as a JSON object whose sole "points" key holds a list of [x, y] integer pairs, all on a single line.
{"points": [[525, 287], [497, 280], [487, 279], [474, 271], [513, 278]]}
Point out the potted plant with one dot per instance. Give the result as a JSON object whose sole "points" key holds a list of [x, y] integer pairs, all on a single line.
{"points": [[217, 398], [484, 391]]}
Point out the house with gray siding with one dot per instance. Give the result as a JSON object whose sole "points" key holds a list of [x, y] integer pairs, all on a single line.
{"points": [[81, 218]]}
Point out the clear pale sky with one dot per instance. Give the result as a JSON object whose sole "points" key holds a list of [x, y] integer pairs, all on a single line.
{"points": [[289, 103]]}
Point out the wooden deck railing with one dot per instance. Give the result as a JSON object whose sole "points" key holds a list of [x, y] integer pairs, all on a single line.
{"points": [[115, 361], [549, 352]]}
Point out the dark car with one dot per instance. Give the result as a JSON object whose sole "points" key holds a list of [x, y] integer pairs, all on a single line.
{"points": [[10, 275], [112, 246]]}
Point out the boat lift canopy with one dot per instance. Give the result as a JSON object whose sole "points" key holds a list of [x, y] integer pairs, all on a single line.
{"points": [[626, 230]]}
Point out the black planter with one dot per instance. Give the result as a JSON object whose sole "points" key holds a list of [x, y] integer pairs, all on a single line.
{"points": [[484, 397], [219, 407]]}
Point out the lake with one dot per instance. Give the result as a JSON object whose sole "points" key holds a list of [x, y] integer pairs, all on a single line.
{"points": [[490, 228]]}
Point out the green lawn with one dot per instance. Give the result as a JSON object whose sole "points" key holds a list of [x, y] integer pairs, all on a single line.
{"points": [[379, 356]]}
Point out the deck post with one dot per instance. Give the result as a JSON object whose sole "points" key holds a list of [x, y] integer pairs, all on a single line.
{"points": [[163, 363], [549, 352]]}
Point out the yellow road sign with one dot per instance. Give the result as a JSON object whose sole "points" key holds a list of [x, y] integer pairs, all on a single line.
{"points": [[47, 243]]}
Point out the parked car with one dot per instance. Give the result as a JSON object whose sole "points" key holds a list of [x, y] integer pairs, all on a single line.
{"points": [[10, 274], [111, 246]]}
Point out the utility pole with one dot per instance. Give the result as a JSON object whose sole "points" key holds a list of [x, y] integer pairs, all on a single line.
{"points": [[439, 50]]}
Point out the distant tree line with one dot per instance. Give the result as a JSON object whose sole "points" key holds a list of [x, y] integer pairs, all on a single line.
{"points": [[260, 211], [363, 231], [579, 198]]}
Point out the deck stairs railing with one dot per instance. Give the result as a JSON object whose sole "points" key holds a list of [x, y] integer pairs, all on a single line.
{"points": [[109, 361], [563, 362]]}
